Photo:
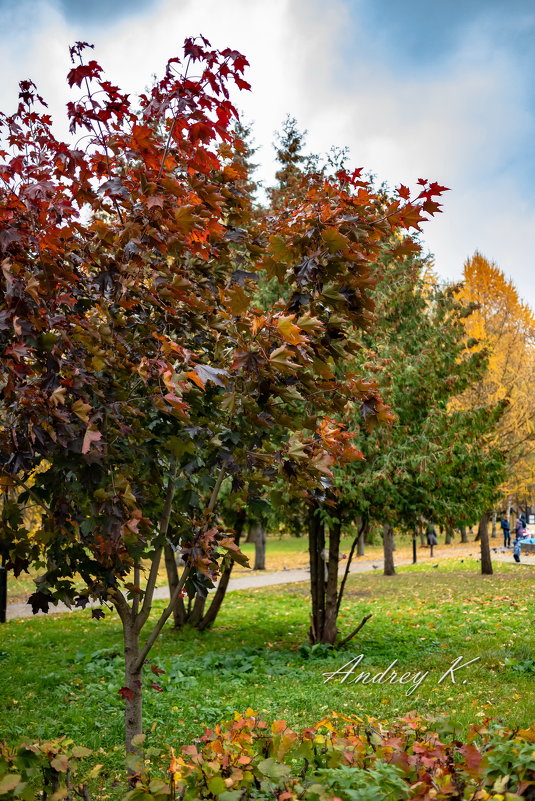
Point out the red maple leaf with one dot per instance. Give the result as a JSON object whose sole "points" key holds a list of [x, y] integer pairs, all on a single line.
{"points": [[78, 74], [240, 83], [436, 189]]}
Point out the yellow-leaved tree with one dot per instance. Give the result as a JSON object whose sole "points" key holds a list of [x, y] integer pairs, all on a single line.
{"points": [[505, 326]]}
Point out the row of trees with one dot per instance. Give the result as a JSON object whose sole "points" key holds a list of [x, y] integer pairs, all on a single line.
{"points": [[180, 362]]}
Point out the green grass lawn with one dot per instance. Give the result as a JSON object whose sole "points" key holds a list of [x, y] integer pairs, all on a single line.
{"points": [[61, 675]]}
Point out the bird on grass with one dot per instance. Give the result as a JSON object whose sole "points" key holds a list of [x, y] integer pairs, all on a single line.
{"points": [[375, 567], [435, 565]]}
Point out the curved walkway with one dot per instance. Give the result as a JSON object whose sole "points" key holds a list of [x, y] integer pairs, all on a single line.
{"points": [[265, 579]]}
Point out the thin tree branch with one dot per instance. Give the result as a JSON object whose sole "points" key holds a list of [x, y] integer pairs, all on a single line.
{"points": [[215, 491], [29, 490], [350, 636], [162, 619], [121, 604], [349, 560], [137, 579], [155, 564]]}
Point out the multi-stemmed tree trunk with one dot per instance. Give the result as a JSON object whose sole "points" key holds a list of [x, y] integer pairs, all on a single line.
{"points": [[325, 592], [483, 535], [193, 612], [134, 616], [331, 558], [388, 550]]}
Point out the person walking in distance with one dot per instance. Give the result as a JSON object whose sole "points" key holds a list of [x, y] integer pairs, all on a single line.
{"points": [[506, 528], [431, 537]]}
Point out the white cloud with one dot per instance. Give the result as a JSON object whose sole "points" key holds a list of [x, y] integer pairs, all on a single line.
{"points": [[460, 122]]}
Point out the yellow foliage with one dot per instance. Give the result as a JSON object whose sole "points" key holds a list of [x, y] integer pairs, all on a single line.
{"points": [[504, 326]]}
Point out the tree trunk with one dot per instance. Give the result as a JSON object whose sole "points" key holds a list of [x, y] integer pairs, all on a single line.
{"points": [[316, 546], [449, 535], [194, 614], [361, 538], [133, 708], [464, 536], [219, 595], [364, 523], [179, 612], [422, 535], [209, 617], [331, 586], [508, 512], [388, 550], [493, 531], [483, 534], [367, 532], [197, 612], [257, 534]]}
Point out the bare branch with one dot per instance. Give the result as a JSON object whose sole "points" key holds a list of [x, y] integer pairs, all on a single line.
{"points": [[348, 565], [215, 491], [350, 636], [162, 619]]}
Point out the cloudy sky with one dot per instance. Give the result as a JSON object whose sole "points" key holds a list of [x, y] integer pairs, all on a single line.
{"points": [[439, 89]]}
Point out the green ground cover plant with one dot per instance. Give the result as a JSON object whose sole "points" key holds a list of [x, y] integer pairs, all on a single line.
{"points": [[61, 675]]}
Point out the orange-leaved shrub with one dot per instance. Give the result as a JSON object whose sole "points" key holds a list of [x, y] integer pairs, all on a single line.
{"points": [[353, 759]]}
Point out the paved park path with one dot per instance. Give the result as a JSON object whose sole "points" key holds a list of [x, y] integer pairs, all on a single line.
{"points": [[264, 579]]}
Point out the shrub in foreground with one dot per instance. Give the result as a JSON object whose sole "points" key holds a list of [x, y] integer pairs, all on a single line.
{"points": [[338, 759], [355, 760]]}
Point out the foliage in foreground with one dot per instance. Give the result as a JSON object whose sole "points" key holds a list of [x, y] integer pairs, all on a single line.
{"points": [[53, 768], [344, 758], [354, 760]]}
